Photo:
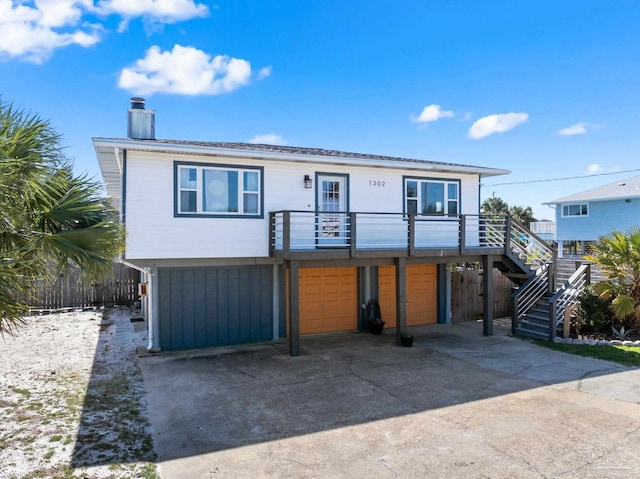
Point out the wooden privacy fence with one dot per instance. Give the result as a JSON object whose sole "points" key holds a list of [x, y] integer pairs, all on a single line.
{"points": [[73, 289], [466, 295]]}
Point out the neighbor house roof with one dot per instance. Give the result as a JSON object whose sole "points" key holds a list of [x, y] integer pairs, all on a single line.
{"points": [[629, 188], [110, 159]]}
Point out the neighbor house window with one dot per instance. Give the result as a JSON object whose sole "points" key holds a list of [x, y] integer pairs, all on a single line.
{"points": [[581, 209], [432, 197], [218, 190]]}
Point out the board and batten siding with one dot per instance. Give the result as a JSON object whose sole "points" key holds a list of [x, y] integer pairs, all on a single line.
{"points": [[154, 233], [201, 307], [603, 218]]}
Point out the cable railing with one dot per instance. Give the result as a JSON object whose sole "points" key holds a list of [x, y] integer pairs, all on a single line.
{"points": [[527, 295], [306, 231], [567, 296]]}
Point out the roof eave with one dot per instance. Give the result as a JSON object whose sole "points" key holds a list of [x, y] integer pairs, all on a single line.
{"points": [[156, 146]]}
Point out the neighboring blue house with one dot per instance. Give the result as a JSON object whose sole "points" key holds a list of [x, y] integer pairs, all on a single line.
{"points": [[583, 217]]}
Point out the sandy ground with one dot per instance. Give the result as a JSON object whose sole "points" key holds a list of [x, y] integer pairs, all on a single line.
{"points": [[72, 399]]}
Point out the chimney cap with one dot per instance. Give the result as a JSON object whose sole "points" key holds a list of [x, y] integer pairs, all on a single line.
{"points": [[137, 103]]}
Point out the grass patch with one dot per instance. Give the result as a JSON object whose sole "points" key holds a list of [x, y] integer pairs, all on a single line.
{"points": [[625, 355], [24, 392]]}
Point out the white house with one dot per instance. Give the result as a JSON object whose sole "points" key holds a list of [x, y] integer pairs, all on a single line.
{"points": [[244, 243]]}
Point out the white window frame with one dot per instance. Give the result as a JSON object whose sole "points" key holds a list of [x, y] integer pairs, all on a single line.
{"points": [[200, 169], [580, 214], [418, 198]]}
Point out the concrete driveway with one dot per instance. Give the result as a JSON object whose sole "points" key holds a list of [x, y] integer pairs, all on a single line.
{"points": [[456, 404]]}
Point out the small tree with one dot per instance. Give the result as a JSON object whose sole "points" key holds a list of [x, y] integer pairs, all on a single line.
{"points": [[618, 254], [50, 219]]}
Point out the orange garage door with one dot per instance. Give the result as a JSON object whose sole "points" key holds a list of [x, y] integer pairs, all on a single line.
{"points": [[421, 294], [328, 300]]}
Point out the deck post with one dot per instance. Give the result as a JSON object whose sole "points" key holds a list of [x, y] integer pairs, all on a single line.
{"points": [[286, 233], [487, 296], [272, 233], [463, 234], [507, 236], [411, 234], [401, 298], [353, 239], [294, 308]]}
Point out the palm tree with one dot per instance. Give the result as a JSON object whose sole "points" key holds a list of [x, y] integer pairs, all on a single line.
{"points": [[495, 207], [523, 214], [50, 219], [619, 256]]}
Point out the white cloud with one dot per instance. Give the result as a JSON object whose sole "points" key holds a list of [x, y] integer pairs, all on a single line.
{"points": [[32, 33], [268, 139], [577, 129], [184, 71], [499, 123], [32, 30], [161, 11], [432, 113], [264, 72], [595, 169]]}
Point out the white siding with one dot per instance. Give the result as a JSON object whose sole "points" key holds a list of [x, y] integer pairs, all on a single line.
{"points": [[154, 233]]}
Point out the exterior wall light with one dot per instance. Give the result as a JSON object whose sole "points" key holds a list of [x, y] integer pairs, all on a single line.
{"points": [[308, 182]]}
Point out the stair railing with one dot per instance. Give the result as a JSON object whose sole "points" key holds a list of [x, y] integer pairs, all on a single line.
{"points": [[530, 248], [526, 296], [566, 296]]}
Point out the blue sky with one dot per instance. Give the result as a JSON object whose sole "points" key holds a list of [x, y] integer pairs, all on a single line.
{"points": [[546, 89]]}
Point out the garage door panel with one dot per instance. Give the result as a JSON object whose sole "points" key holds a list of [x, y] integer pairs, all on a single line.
{"points": [[328, 300], [214, 306], [421, 294]]}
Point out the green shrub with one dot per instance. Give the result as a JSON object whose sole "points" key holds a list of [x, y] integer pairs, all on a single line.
{"points": [[594, 314]]}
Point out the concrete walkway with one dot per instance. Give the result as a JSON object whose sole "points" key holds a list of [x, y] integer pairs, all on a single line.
{"points": [[354, 405]]}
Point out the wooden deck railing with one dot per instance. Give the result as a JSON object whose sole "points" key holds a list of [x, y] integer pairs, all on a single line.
{"points": [[352, 234]]}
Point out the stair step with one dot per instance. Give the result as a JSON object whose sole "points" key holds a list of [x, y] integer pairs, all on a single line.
{"points": [[531, 334], [532, 325], [539, 311], [540, 318]]}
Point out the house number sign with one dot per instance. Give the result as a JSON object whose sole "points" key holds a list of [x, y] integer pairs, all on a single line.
{"points": [[376, 182]]}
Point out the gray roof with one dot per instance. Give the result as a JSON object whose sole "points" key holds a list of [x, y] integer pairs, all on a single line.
{"points": [[296, 150], [629, 188]]}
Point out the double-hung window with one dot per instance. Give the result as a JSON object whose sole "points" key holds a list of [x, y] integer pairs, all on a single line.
{"points": [[218, 190], [580, 209], [432, 197]]}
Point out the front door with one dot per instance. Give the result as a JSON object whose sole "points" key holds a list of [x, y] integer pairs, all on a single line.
{"points": [[332, 208]]}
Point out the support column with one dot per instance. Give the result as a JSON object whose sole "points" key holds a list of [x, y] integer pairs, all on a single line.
{"points": [[294, 308], [275, 311], [487, 296], [444, 294], [401, 298]]}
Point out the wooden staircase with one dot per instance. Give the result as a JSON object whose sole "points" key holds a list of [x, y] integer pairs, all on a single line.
{"points": [[535, 322], [539, 303]]}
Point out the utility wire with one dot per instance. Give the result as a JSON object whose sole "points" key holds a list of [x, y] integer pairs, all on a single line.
{"points": [[562, 179]]}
